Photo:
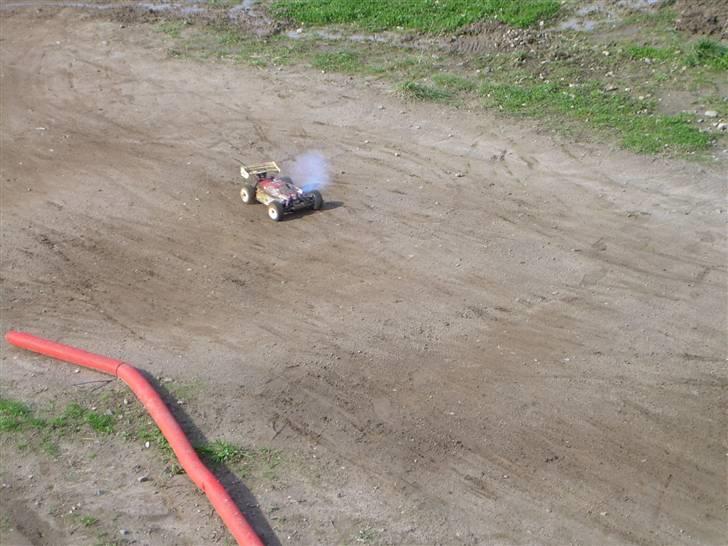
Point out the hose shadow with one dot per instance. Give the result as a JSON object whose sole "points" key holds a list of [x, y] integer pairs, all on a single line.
{"points": [[241, 495]]}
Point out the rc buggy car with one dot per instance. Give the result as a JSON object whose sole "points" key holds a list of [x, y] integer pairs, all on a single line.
{"points": [[278, 193]]}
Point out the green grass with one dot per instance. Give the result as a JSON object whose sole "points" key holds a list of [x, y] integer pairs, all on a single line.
{"points": [[103, 539], [422, 15], [705, 52], [222, 3], [88, 521], [149, 432], [75, 415], [32, 431], [452, 82], [172, 28], [338, 61], [662, 19], [650, 52], [14, 415], [261, 462], [710, 54], [366, 536], [635, 122], [222, 452], [421, 92]]}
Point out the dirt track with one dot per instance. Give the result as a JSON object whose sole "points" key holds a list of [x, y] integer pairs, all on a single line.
{"points": [[532, 353]]}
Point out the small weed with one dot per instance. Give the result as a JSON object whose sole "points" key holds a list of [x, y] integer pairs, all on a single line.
{"points": [[150, 433], [184, 391], [230, 38], [100, 423], [262, 462], [412, 67], [103, 539], [649, 52], [452, 82], [366, 535], [75, 416], [222, 452], [664, 18], [269, 460], [709, 53], [172, 28], [88, 521], [13, 415], [337, 61], [50, 447], [222, 3], [416, 91]]}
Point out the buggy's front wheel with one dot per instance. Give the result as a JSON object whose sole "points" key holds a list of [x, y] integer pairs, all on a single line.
{"points": [[318, 201], [275, 211]]}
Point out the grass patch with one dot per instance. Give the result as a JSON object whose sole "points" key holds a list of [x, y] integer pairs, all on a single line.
{"points": [[222, 452], [366, 536], [639, 52], [421, 15], [149, 432], [261, 462], [337, 61], [705, 52], [420, 92], [709, 53], [662, 19], [172, 28], [222, 3], [17, 418], [635, 122], [88, 521], [14, 415], [452, 82], [75, 415]]}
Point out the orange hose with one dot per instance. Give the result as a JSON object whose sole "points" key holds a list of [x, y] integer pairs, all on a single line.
{"points": [[144, 391]]}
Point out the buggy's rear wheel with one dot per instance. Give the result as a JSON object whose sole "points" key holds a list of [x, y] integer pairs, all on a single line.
{"points": [[247, 194], [318, 201], [275, 211]]}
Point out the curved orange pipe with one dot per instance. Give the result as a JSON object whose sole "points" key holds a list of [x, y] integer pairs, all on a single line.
{"points": [[144, 391]]}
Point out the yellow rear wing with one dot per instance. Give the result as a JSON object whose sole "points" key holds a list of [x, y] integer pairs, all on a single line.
{"points": [[270, 166]]}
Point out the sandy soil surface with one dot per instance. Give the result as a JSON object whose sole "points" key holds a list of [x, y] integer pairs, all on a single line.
{"points": [[531, 353]]}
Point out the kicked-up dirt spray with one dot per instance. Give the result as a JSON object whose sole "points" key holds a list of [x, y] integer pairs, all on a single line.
{"points": [[310, 171]]}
